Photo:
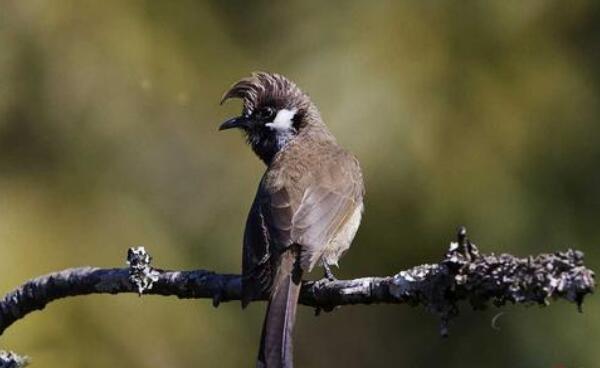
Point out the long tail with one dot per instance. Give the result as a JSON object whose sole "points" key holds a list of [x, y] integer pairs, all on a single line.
{"points": [[276, 346]]}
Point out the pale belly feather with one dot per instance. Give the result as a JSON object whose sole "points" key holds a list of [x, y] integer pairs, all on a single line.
{"points": [[343, 239]]}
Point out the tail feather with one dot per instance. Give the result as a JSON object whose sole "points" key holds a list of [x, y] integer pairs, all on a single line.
{"points": [[276, 346]]}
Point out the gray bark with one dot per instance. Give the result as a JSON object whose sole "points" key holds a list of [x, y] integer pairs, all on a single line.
{"points": [[462, 275]]}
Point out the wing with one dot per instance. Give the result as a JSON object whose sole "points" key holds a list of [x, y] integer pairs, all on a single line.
{"points": [[267, 234], [298, 207], [327, 205]]}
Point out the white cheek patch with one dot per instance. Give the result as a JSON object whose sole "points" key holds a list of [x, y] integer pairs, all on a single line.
{"points": [[283, 120]]}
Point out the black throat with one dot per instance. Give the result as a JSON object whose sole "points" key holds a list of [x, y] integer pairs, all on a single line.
{"points": [[266, 142]]}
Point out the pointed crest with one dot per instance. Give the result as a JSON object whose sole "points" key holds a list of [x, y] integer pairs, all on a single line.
{"points": [[267, 88]]}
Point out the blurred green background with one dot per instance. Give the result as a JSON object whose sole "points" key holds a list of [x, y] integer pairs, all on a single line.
{"points": [[478, 113]]}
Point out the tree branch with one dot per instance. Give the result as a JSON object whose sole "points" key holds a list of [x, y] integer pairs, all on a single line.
{"points": [[463, 275], [8, 359]]}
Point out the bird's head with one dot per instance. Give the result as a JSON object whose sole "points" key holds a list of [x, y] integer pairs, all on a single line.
{"points": [[275, 111]]}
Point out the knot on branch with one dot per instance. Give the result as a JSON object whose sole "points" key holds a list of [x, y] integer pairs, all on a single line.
{"points": [[140, 272], [462, 251], [8, 359]]}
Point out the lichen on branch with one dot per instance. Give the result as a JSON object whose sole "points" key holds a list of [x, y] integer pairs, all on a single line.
{"points": [[462, 275]]}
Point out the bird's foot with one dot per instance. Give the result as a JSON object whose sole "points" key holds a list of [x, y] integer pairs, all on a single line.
{"points": [[328, 273], [328, 277]]}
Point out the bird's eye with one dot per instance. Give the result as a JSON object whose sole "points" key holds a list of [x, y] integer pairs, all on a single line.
{"points": [[266, 114]]}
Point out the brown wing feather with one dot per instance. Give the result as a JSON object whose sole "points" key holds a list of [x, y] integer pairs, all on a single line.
{"points": [[266, 236], [256, 270], [326, 206], [307, 210]]}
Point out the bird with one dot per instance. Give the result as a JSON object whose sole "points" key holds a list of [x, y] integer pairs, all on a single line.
{"points": [[307, 208]]}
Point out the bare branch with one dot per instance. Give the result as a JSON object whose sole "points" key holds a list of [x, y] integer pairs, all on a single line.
{"points": [[463, 275], [8, 359]]}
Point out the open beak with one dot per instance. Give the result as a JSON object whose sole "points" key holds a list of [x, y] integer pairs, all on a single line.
{"points": [[237, 122]]}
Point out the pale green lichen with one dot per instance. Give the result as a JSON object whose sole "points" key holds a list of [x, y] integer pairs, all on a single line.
{"points": [[140, 271]]}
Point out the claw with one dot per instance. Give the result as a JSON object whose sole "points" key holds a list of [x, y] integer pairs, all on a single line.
{"points": [[328, 273]]}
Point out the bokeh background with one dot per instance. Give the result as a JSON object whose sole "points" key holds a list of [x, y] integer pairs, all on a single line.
{"points": [[478, 113]]}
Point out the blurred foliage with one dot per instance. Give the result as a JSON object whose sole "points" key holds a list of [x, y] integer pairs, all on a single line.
{"points": [[477, 113]]}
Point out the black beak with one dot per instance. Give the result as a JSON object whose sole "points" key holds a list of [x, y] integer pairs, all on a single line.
{"points": [[238, 122]]}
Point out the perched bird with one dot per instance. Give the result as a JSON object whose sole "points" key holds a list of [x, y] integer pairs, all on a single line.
{"points": [[307, 208]]}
